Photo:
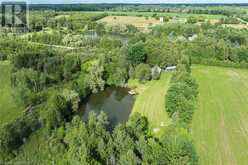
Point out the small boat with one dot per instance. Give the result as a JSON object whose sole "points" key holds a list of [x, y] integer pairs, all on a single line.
{"points": [[132, 92]]}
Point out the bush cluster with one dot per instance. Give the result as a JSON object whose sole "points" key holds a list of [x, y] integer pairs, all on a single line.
{"points": [[181, 96], [92, 142], [13, 134], [180, 105], [212, 62]]}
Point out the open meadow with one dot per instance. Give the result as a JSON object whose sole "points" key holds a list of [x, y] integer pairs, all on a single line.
{"points": [[220, 123], [8, 108]]}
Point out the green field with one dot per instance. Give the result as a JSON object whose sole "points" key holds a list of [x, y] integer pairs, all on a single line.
{"points": [[151, 99], [8, 108], [220, 123]]}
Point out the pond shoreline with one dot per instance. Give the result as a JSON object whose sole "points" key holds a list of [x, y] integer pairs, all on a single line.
{"points": [[115, 102]]}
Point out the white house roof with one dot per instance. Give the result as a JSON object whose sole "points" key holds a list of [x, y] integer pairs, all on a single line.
{"points": [[171, 67]]}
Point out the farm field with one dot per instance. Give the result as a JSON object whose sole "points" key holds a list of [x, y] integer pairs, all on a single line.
{"points": [[180, 15], [139, 22], [151, 99], [8, 109], [220, 123], [237, 26]]}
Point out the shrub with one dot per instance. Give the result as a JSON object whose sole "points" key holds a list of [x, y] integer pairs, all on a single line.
{"points": [[12, 135], [155, 73], [181, 96], [192, 20], [27, 84], [136, 53], [56, 112], [143, 72], [179, 147]]}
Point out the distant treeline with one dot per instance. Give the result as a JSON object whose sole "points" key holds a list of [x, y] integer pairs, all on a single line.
{"points": [[101, 7], [214, 9], [72, 7]]}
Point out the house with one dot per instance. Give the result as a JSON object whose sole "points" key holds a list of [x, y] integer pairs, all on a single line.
{"points": [[170, 68]]}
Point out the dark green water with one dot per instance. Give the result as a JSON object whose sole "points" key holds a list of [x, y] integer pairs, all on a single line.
{"points": [[117, 103]]}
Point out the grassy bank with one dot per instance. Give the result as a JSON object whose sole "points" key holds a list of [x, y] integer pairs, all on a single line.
{"points": [[8, 108], [151, 99], [220, 127]]}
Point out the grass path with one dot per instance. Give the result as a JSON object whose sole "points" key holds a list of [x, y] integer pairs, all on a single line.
{"points": [[220, 124], [8, 108], [151, 101]]}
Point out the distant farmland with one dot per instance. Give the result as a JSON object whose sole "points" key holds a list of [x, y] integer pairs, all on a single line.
{"points": [[139, 22], [180, 15], [145, 20], [220, 124]]}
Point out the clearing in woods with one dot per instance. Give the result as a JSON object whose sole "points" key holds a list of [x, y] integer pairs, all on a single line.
{"points": [[220, 123]]}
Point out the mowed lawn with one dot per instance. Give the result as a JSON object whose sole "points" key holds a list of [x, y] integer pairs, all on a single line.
{"points": [[151, 101], [220, 124], [8, 108]]}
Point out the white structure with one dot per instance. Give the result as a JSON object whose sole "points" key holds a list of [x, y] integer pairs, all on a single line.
{"points": [[171, 68], [161, 19], [192, 38], [156, 69], [155, 72]]}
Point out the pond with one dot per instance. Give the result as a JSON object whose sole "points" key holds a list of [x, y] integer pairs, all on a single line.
{"points": [[117, 103]]}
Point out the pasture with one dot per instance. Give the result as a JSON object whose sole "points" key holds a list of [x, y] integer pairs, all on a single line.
{"points": [[220, 123], [8, 108], [151, 100]]}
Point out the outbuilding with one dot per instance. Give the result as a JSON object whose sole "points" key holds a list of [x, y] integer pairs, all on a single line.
{"points": [[170, 68]]}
